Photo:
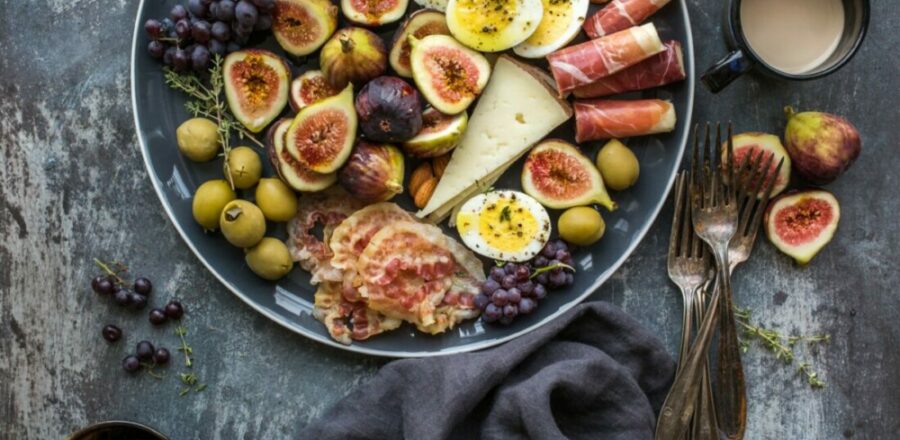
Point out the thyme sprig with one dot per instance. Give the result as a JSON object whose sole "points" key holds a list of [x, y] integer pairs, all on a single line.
{"points": [[779, 344], [181, 331], [208, 102], [119, 268]]}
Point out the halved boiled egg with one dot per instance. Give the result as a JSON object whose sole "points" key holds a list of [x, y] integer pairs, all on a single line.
{"points": [[560, 24], [493, 25], [504, 225]]}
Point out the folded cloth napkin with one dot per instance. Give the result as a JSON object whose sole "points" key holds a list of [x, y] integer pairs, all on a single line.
{"points": [[593, 373]]}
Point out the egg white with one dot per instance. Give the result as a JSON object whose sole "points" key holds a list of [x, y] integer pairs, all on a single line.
{"points": [[504, 225], [554, 30]]}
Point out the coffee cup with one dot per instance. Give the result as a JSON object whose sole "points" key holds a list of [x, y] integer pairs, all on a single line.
{"points": [[789, 39]]}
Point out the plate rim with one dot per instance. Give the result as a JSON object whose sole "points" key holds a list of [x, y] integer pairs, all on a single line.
{"points": [[356, 348]]}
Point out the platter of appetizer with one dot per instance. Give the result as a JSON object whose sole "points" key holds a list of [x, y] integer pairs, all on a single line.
{"points": [[412, 178]]}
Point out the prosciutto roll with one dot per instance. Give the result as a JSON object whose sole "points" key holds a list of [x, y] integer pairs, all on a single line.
{"points": [[607, 119], [587, 62], [620, 14], [663, 68]]}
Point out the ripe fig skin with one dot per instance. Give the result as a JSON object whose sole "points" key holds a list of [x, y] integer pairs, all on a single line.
{"points": [[389, 110], [374, 173], [802, 209], [353, 55], [822, 146]]}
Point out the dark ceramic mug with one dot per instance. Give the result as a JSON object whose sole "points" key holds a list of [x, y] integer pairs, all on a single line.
{"points": [[742, 58], [117, 430]]}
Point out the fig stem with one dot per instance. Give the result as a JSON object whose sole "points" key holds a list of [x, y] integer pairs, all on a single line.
{"points": [[789, 112], [346, 44]]}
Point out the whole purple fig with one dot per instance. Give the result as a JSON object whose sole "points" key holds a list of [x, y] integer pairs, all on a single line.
{"points": [[373, 173], [389, 110], [821, 145]]}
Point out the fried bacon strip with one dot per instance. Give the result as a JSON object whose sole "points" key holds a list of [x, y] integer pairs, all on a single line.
{"points": [[663, 68], [620, 14], [606, 119], [587, 62], [347, 320]]}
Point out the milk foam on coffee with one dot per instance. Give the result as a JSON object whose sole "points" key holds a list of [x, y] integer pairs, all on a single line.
{"points": [[794, 36]]}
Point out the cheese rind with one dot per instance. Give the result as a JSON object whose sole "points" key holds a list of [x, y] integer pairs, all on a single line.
{"points": [[517, 109]]}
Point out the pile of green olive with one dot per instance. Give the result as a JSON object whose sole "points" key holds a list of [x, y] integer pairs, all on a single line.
{"points": [[620, 169], [243, 223]]}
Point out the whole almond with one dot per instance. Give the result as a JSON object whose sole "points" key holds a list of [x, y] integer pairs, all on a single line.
{"points": [[419, 176], [423, 194], [440, 164]]}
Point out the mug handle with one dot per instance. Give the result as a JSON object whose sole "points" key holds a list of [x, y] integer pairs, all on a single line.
{"points": [[726, 70]]}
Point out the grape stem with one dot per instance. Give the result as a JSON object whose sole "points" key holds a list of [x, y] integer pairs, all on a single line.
{"points": [[549, 268], [110, 272]]}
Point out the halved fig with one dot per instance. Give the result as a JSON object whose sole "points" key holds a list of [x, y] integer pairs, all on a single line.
{"points": [[321, 136], [373, 12], [448, 74], [559, 176], [302, 26], [256, 86], [801, 223], [288, 169], [419, 24], [310, 88], [440, 133], [756, 143], [353, 55]]}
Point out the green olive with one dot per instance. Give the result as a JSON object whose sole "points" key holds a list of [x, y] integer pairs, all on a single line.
{"points": [[269, 259], [618, 165], [242, 223], [209, 200], [581, 226], [245, 167], [277, 200], [198, 139]]}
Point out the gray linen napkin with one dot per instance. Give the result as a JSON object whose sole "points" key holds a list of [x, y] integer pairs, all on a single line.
{"points": [[593, 373]]}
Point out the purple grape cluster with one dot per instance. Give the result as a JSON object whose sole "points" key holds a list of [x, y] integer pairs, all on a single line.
{"points": [[136, 297], [190, 36], [514, 289], [145, 354]]}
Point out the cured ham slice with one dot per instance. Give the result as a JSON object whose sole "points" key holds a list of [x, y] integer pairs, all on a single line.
{"points": [[326, 209], [458, 304], [406, 269], [346, 320], [663, 68], [606, 119], [587, 62], [620, 14]]}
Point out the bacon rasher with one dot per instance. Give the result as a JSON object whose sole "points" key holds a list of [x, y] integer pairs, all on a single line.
{"points": [[663, 68], [620, 14], [587, 62], [607, 119]]}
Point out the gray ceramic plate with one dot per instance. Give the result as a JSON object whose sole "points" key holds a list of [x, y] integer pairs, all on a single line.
{"points": [[158, 111]]}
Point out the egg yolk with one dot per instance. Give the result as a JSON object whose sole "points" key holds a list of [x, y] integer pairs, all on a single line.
{"points": [[486, 16], [507, 226], [554, 23]]}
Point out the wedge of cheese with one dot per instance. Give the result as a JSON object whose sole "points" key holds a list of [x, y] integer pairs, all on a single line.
{"points": [[518, 108]]}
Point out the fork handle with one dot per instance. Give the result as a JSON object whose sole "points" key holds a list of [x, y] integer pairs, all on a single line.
{"points": [[675, 416], [731, 393], [705, 425]]}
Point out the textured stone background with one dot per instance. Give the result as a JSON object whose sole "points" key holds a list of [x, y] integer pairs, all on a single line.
{"points": [[73, 186]]}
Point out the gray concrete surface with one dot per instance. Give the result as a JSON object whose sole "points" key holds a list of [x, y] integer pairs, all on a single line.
{"points": [[73, 187]]}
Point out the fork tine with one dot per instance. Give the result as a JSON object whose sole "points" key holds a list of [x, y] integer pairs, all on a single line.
{"points": [[730, 162], [687, 227], [698, 244], [676, 217], [764, 202], [750, 189]]}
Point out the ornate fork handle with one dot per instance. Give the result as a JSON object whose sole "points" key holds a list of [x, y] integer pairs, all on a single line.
{"points": [[675, 417]]}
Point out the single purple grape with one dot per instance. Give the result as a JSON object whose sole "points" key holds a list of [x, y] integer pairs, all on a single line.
{"points": [[510, 311], [200, 31], [156, 49], [497, 273], [122, 297], [178, 12], [153, 28], [216, 47], [510, 268], [481, 301], [522, 273], [491, 313], [131, 364], [198, 8], [157, 316], [112, 333], [489, 286], [540, 261], [540, 292], [500, 298], [143, 286], [137, 301], [221, 31], [225, 10], [526, 288], [542, 278], [174, 310], [557, 280], [515, 295], [509, 281], [526, 306], [144, 351], [549, 250], [161, 357]]}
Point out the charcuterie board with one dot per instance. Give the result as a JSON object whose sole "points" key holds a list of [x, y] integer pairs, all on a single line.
{"points": [[289, 301]]}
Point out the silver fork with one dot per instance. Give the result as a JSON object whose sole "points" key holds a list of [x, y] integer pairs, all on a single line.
{"points": [[715, 218], [689, 269], [749, 179]]}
